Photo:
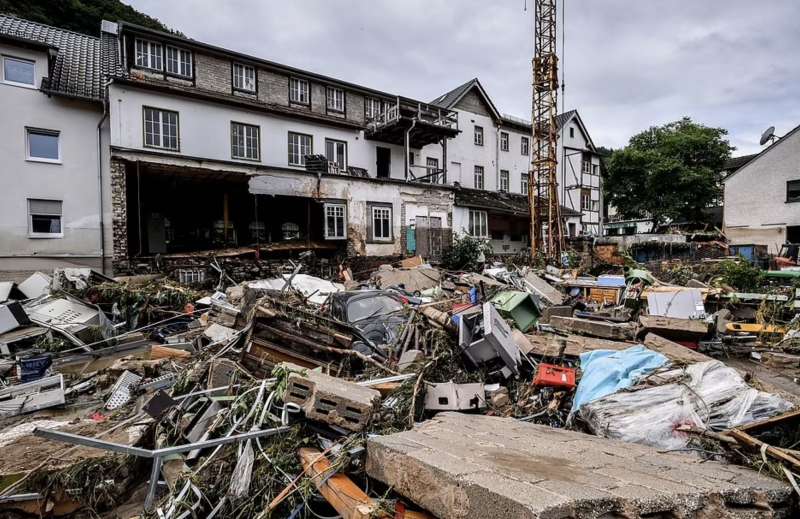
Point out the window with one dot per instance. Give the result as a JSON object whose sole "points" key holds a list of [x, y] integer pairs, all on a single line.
{"points": [[298, 91], [587, 167], [523, 185], [179, 62], [571, 132], [160, 128], [595, 169], [336, 152], [432, 163], [478, 177], [43, 145], [586, 199], [381, 219], [335, 99], [335, 228], [372, 108], [148, 54], [503, 180], [19, 71], [245, 141], [478, 136], [300, 145], [793, 191], [504, 141], [244, 77], [44, 218], [478, 227], [525, 147]]}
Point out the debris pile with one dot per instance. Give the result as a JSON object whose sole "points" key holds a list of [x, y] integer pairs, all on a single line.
{"points": [[411, 391]]}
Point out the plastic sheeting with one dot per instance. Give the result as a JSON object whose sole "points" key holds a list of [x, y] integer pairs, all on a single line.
{"points": [[705, 395], [607, 371], [315, 289]]}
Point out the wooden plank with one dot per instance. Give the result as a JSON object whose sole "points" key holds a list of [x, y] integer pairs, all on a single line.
{"points": [[754, 443], [770, 422], [673, 351], [674, 326]]}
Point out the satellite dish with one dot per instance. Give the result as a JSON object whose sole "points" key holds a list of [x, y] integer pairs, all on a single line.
{"points": [[767, 136]]}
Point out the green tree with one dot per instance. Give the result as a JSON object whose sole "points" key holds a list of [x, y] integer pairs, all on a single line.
{"points": [[79, 15], [668, 172]]}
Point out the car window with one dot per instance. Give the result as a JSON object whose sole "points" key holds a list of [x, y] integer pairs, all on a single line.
{"points": [[363, 307]]}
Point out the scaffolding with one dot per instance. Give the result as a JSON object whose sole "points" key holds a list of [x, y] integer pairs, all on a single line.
{"points": [[546, 231]]}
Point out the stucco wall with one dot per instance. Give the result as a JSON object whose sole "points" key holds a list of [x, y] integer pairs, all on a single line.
{"points": [[74, 181]]}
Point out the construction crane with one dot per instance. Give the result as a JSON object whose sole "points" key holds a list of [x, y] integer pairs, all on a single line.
{"points": [[546, 232]]}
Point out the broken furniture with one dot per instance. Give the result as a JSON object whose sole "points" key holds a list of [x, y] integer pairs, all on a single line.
{"points": [[32, 396], [486, 340], [521, 307], [448, 396]]}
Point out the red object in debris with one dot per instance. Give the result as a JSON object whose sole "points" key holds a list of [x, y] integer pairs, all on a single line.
{"points": [[98, 417], [692, 345], [460, 307], [554, 376]]}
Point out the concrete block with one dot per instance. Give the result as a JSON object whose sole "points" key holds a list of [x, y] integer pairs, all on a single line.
{"points": [[603, 329], [409, 359], [448, 396], [550, 311], [332, 400], [464, 466]]}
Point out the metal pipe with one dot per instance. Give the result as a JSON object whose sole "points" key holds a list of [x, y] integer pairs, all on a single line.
{"points": [[100, 177], [407, 144]]}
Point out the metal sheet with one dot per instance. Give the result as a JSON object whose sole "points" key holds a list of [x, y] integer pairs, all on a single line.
{"points": [[679, 304]]}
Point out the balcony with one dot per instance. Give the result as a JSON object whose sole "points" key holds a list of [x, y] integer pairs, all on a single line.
{"points": [[420, 123], [426, 175]]}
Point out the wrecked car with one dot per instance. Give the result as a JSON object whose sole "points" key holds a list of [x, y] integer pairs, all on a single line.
{"points": [[377, 314]]}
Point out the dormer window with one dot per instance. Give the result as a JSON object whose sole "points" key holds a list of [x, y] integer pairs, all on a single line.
{"points": [[179, 62], [244, 77], [335, 99], [298, 91], [148, 54]]}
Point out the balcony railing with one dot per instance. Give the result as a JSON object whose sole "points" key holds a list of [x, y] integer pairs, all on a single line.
{"points": [[426, 174], [421, 112]]}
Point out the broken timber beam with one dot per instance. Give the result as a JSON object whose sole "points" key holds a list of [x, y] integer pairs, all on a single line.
{"points": [[774, 452], [602, 329]]}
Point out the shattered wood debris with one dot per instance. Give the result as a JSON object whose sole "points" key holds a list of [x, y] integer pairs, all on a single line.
{"points": [[382, 393]]}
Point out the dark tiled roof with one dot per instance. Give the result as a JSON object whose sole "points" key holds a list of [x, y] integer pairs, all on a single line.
{"points": [[734, 163], [511, 203], [450, 98], [76, 68]]}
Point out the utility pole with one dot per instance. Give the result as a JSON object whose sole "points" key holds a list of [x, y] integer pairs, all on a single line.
{"points": [[543, 179]]}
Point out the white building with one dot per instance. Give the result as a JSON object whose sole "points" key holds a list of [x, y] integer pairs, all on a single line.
{"points": [[51, 105], [762, 198]]}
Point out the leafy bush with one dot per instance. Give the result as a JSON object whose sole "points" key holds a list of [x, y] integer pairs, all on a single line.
{"points": [[466, 253], [741, 275]]}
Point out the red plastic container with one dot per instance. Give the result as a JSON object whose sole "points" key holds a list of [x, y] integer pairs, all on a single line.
{"points": [[554, 376]]}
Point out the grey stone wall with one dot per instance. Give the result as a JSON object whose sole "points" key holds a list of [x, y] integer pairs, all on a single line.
{"points": [[318, 98], [212, 73], [119, 216], [355, 107], [273, 88]]}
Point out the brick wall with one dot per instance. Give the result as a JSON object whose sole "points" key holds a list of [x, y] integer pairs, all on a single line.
{"points": [[213, 73], [273, 88], [119, 216], [318, 98], [355, 107]]}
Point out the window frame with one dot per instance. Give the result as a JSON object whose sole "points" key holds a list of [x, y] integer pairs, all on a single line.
{"points": [[505, 175], [335, 90], [369, 102], [300, 81], [792, 200], [372, 208], [148, 66], [430, 166], [525, 146], [524, 183], [190, 63], [301, 163], [483, 222], [589, 192], [505, 140], [177, 147], [571, 132], [41, 131], [244, 68], [32, 62], [335, 143], [475, 177], [477, 135], [335, 205], [245, 126], [31, 233]]}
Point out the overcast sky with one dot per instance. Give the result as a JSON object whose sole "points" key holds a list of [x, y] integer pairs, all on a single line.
{"points": [[627, 64]]}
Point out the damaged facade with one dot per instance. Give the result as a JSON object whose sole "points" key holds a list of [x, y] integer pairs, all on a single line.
{"points": [[205, 149]]}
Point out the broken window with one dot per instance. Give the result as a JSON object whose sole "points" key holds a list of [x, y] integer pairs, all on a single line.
{"points": [[44, 218], [300, 145], [372, 108], [478, 177], [478, 136], [336, 152], [298, 91], [478, 224], [43, 145], [523, 185], [160, 128], [335, 224], [381, 219], [503, 180], [179, 61], [335, 99], [586, 199], [244, 77], [245, 141], [793, 191], [504, 141], [525, 148], [148, 54], [19, 71]]}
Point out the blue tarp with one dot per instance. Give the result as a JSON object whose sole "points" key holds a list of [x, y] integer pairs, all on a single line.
{"points": [[607, 371]]}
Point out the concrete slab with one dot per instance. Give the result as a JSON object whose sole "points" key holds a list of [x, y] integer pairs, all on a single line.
{"points": [[602, 329], [460, 466]]}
